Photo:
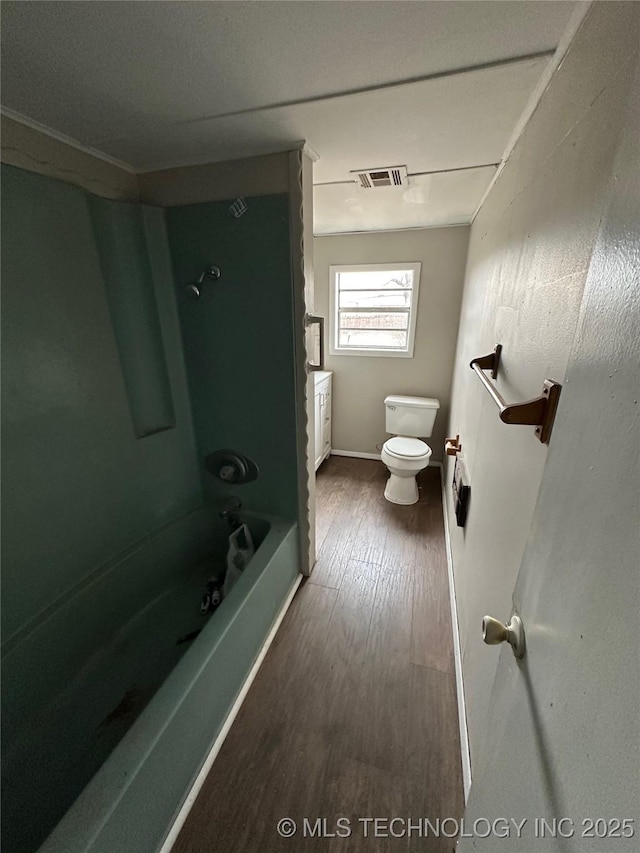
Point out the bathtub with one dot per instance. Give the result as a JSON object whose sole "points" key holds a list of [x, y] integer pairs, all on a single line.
{"points": [[132, 686]]}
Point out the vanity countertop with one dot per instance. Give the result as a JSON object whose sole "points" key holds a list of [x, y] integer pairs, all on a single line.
{"points": [[321, 375]]}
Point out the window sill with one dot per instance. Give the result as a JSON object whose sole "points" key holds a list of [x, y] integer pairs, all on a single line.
{"points": [[375, 353]]}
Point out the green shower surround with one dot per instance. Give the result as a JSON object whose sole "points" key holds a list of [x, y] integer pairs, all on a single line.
{"points": [[85, 503], [238, 342], [78, 487]]}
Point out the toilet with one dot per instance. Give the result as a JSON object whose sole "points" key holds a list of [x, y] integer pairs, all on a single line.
{"points": [[409, 419]]}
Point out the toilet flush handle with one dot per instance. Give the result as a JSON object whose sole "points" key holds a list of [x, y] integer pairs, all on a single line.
{"points": [[495, 632]]}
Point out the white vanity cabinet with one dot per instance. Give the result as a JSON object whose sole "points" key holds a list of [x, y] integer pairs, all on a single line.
{"points": [[323, 415]]}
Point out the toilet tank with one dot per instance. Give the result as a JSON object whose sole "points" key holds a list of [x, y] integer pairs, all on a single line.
{"points": [[412, 416]]}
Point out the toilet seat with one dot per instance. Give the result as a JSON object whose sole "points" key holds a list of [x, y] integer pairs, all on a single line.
{"points": [[403, 447]]}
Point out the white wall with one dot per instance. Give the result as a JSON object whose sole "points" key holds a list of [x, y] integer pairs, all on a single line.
{"points": [[529, 253], [568, 712], [361, 383], [250, 176], [38, 151], [35, 151]]}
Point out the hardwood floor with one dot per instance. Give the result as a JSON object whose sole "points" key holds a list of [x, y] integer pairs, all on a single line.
{"points": [[353, 713]]}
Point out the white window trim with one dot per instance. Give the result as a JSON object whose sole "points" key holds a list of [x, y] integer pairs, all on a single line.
{"points": [[334, 349]]}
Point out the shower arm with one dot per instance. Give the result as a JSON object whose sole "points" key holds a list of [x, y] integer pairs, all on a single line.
{"points": [[193, 288], [210, 272]]}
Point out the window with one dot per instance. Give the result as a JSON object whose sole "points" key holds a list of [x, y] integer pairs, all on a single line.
{"points": [[373, 309]]}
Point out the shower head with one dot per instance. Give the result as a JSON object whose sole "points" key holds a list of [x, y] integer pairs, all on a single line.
{"points": [[193, 289]]}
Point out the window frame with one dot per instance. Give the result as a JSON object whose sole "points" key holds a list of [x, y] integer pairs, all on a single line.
{"points": [[376, 352]]}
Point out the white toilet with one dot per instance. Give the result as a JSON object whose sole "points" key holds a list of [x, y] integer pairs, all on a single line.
{"points": [[404, 454]]}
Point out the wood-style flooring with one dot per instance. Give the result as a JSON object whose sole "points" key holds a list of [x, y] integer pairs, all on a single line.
{"points": [[353, 713]]}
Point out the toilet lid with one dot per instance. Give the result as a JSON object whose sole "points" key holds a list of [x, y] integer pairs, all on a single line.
{"points": [[402, 446]]}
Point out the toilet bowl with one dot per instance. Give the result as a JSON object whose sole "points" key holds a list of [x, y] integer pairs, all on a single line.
{"points": [[405, 457], [408, 419]]}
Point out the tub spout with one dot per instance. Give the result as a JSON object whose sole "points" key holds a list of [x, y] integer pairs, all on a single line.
{"points": [[229, 513]]}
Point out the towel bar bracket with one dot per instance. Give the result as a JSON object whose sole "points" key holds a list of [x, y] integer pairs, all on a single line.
{"points": [[551, 391], [539, 412], [490, 362]]}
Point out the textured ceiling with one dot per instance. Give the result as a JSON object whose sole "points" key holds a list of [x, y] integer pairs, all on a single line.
{"points": [[448, 198], [158, 84]]}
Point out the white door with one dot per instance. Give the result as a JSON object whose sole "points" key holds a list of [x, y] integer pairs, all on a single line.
{"points": [[563, 737]]}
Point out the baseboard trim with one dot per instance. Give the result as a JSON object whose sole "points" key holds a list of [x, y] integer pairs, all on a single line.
{"points": [[462, 708], [179, 822], [355, 454]]}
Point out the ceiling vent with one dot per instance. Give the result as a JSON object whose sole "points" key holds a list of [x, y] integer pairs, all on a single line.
{"points": [[387, 176]]}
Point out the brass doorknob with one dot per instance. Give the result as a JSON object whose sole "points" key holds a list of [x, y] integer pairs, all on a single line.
{"points": [[494, 631]]}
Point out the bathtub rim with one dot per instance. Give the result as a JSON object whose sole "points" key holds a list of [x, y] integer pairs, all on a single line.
{"points": [[81, 825], [192, 795]]}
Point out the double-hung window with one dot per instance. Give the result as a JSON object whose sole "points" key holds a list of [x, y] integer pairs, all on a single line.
{"points": [[373, 309]]}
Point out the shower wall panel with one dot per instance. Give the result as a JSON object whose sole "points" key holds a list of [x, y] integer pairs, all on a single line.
{"points": [[126, 268], [238, 342]]}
